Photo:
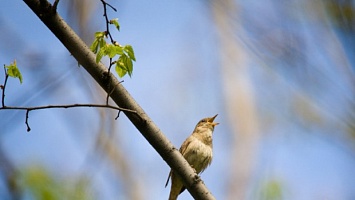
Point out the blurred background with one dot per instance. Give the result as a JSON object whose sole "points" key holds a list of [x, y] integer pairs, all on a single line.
{"points": [[280, 74]]}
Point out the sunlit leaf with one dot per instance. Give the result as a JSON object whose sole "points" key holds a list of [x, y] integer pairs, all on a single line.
{"points": [[95, 46], [129, 66], [99, 35], [115, 22], [102, 42], [129, 50], [120, 69], [101, 53], [13, 71], [114, 50], [118, 50], [99, 42], [125, 63]]}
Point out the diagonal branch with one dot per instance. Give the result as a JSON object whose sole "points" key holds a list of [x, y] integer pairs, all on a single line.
{"points": [[121, 97]]}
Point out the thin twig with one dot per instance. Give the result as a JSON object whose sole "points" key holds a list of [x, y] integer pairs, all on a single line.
{"points": [[28, 109], [113, 8], [109, 83], [67, 106], [118, 115], [108, 95], [111, 64], [54, 7], [26, 121], [113, 89], [107, 21], [3, 88], [108, 33]]}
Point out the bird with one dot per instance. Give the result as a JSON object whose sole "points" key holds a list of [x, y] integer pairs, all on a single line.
{"points": [[197, 150]]}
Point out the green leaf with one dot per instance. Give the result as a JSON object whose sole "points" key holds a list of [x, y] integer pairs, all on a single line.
{"points": [[95, 46], [125, 64], [129, 66], [129, 50], [102, 42], [120, 70], [13, 71], [101, 53], [110, 51], [115, 22], [114, 50], [99, 42], [99, 35]]}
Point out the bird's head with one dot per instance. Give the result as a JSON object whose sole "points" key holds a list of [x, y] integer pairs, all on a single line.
{"points": [[207, 122]]}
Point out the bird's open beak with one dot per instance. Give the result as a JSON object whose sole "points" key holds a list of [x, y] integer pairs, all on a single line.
{"points": [[212, 119]]}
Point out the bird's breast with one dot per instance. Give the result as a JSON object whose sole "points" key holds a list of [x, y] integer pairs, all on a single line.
{"points": [[198, 155]]}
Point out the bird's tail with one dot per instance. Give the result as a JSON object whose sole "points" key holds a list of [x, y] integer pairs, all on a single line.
{"points": [[176, 187], [173, 196]]}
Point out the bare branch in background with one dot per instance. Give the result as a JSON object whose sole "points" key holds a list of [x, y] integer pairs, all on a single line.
{"points": [[240, 104]]}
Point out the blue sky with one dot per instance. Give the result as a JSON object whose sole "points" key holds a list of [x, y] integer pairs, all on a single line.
{"points": [[177, 81]]}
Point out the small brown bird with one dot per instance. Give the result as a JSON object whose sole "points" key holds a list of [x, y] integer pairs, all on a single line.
{"points": [[197, 150]]}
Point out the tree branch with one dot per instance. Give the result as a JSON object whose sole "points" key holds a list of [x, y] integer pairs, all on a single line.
{"points": [[28, 109], [122, 98]]}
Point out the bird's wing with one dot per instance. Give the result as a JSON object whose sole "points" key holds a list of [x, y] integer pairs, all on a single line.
{"points": [[182, 151], [185, 145]]}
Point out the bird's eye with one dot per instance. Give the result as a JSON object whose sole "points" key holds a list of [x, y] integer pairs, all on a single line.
{"points": [[203, 120]]}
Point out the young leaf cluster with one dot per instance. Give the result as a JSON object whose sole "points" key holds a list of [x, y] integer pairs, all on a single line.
{"points": [[13, 71], [124, 54]]}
